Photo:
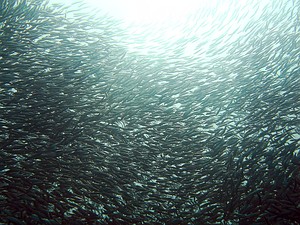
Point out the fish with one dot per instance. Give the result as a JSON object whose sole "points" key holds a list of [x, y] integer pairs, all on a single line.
{"points": [[99, 127]]}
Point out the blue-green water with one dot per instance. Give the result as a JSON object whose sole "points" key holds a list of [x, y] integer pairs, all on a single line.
{"points": [[194, 121]]}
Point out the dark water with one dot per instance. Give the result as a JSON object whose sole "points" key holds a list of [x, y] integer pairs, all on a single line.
{"points": [[103, 125]]}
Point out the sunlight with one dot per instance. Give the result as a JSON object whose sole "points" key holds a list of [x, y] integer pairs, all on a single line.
{"points": [[157, 26], [148, 11]]}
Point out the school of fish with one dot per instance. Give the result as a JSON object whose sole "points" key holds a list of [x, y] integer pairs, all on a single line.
{"points": [[93, 131]]}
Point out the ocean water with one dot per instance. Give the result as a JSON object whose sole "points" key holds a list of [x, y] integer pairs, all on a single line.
{"points": [[149, 114]]}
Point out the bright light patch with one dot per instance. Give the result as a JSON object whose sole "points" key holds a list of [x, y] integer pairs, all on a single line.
{"points": [[148, 11], [171, 27], [141, 12]]}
